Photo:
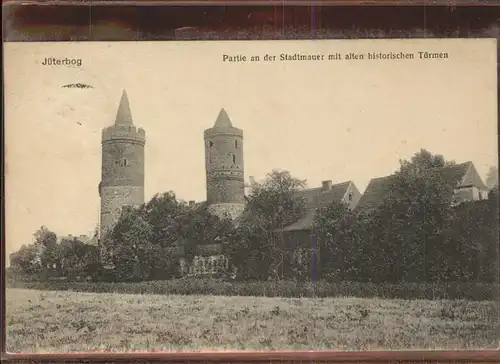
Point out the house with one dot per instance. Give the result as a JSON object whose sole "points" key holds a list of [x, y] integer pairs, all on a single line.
{"points": [[317, 198], [463, 178], [298, 238], [210, 258], [470, 186], [299, 233]]}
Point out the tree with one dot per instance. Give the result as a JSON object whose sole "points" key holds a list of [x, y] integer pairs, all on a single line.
{"points": [[335, 227], [492, 177], [276, 198], [198, 227], [413, 221], [204, 227], [258, 250], [162, 213], [250, 249], [93, 266], [51, 254], [493, 194], [425, 160], [142, 244], [77, 258], [27, 260], [44, 237], [472, 251], [129, 247], [46, 258]]}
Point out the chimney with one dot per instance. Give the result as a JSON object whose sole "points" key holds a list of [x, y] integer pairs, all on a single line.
{"points": [[191, 203], [327, 185]]}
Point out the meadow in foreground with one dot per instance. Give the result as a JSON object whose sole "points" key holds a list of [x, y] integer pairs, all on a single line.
{"points": [[45, 321]]}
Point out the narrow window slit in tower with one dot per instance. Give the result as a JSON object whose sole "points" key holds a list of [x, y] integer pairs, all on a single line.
{"points": [[236, 143], [234, 159]]}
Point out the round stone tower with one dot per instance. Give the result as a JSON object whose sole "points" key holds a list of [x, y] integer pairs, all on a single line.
{"points": [[224, 168], [122, 173]]}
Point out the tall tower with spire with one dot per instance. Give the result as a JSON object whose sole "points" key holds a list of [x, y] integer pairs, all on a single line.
{"points": [[224, 168], [122, 171]]}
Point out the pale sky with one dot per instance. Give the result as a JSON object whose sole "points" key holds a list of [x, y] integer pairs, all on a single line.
{"points": [[337, 120]]}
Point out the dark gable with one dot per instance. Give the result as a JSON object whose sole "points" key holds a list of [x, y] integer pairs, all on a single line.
{"points": [[378, 188], [316, 198]]}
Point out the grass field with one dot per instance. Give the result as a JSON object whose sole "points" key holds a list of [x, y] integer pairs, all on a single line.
{"points": [[47, 321]]}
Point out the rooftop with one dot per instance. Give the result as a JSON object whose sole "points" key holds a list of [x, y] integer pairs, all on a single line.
{"points": [[452, 174], [123, 115], [223, 121], [317, 198], [320, 196]]}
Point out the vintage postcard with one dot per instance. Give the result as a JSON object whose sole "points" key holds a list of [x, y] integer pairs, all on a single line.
{"points": [[251, 195]]}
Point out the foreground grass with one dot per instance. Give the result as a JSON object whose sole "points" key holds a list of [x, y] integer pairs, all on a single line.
{"points": [[45, 321]]}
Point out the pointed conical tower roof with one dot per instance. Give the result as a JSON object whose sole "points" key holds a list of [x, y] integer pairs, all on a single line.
{"points": [[124, 128], [223, 120], [223, 126], [124, 116]]}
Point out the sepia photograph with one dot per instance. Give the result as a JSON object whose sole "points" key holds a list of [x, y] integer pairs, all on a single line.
{"points": [[240, 196]]}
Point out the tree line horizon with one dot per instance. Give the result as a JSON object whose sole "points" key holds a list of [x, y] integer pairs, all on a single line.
{"points": [[414, 235]]}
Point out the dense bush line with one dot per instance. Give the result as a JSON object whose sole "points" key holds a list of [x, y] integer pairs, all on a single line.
{"points": [[417, 231], [468, 291]]}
